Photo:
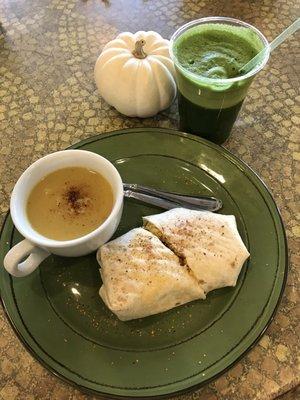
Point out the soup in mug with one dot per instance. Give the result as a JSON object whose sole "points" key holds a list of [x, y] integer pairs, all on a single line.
{"points": [[69, 203]]}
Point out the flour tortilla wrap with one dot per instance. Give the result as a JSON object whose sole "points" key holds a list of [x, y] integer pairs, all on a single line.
{"points": [[141, 276], [208, 243]]}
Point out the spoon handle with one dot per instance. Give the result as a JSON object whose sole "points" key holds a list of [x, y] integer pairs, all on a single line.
{"points": [[178, 200]]}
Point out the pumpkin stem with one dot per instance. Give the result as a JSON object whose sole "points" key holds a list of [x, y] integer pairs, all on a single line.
{"points": [[138, 51]]}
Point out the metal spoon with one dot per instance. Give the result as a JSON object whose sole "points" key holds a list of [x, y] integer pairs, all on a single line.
{"points": [[169, 200]]}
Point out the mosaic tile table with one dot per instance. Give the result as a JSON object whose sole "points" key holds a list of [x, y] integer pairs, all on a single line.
{"points": [[48, 101]]}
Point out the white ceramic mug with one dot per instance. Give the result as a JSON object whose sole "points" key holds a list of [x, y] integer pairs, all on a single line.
{"points": [[37, 247]]}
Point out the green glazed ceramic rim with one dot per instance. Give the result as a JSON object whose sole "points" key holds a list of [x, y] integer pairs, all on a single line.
{"points": [[256, 180]]}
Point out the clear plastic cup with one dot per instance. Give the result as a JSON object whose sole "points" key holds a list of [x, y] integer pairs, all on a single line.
{"points": [[208, 107]]}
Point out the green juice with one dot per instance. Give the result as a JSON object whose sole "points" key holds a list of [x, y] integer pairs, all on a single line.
{"points": [[207, 57]]}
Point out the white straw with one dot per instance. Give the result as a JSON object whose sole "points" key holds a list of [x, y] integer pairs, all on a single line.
{"points": [[275, 43]]}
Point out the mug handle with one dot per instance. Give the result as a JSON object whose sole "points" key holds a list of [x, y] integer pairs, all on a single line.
{"points": [[35, 255]]}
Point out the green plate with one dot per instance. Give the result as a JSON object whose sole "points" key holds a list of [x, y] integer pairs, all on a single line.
{"points": [[58, 315]]}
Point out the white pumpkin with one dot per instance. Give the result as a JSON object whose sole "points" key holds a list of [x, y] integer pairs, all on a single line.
{"points": [[134, 74]]}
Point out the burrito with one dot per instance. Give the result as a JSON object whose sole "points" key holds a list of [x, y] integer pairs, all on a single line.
{"points": [[141, 276], [209, 244]]}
